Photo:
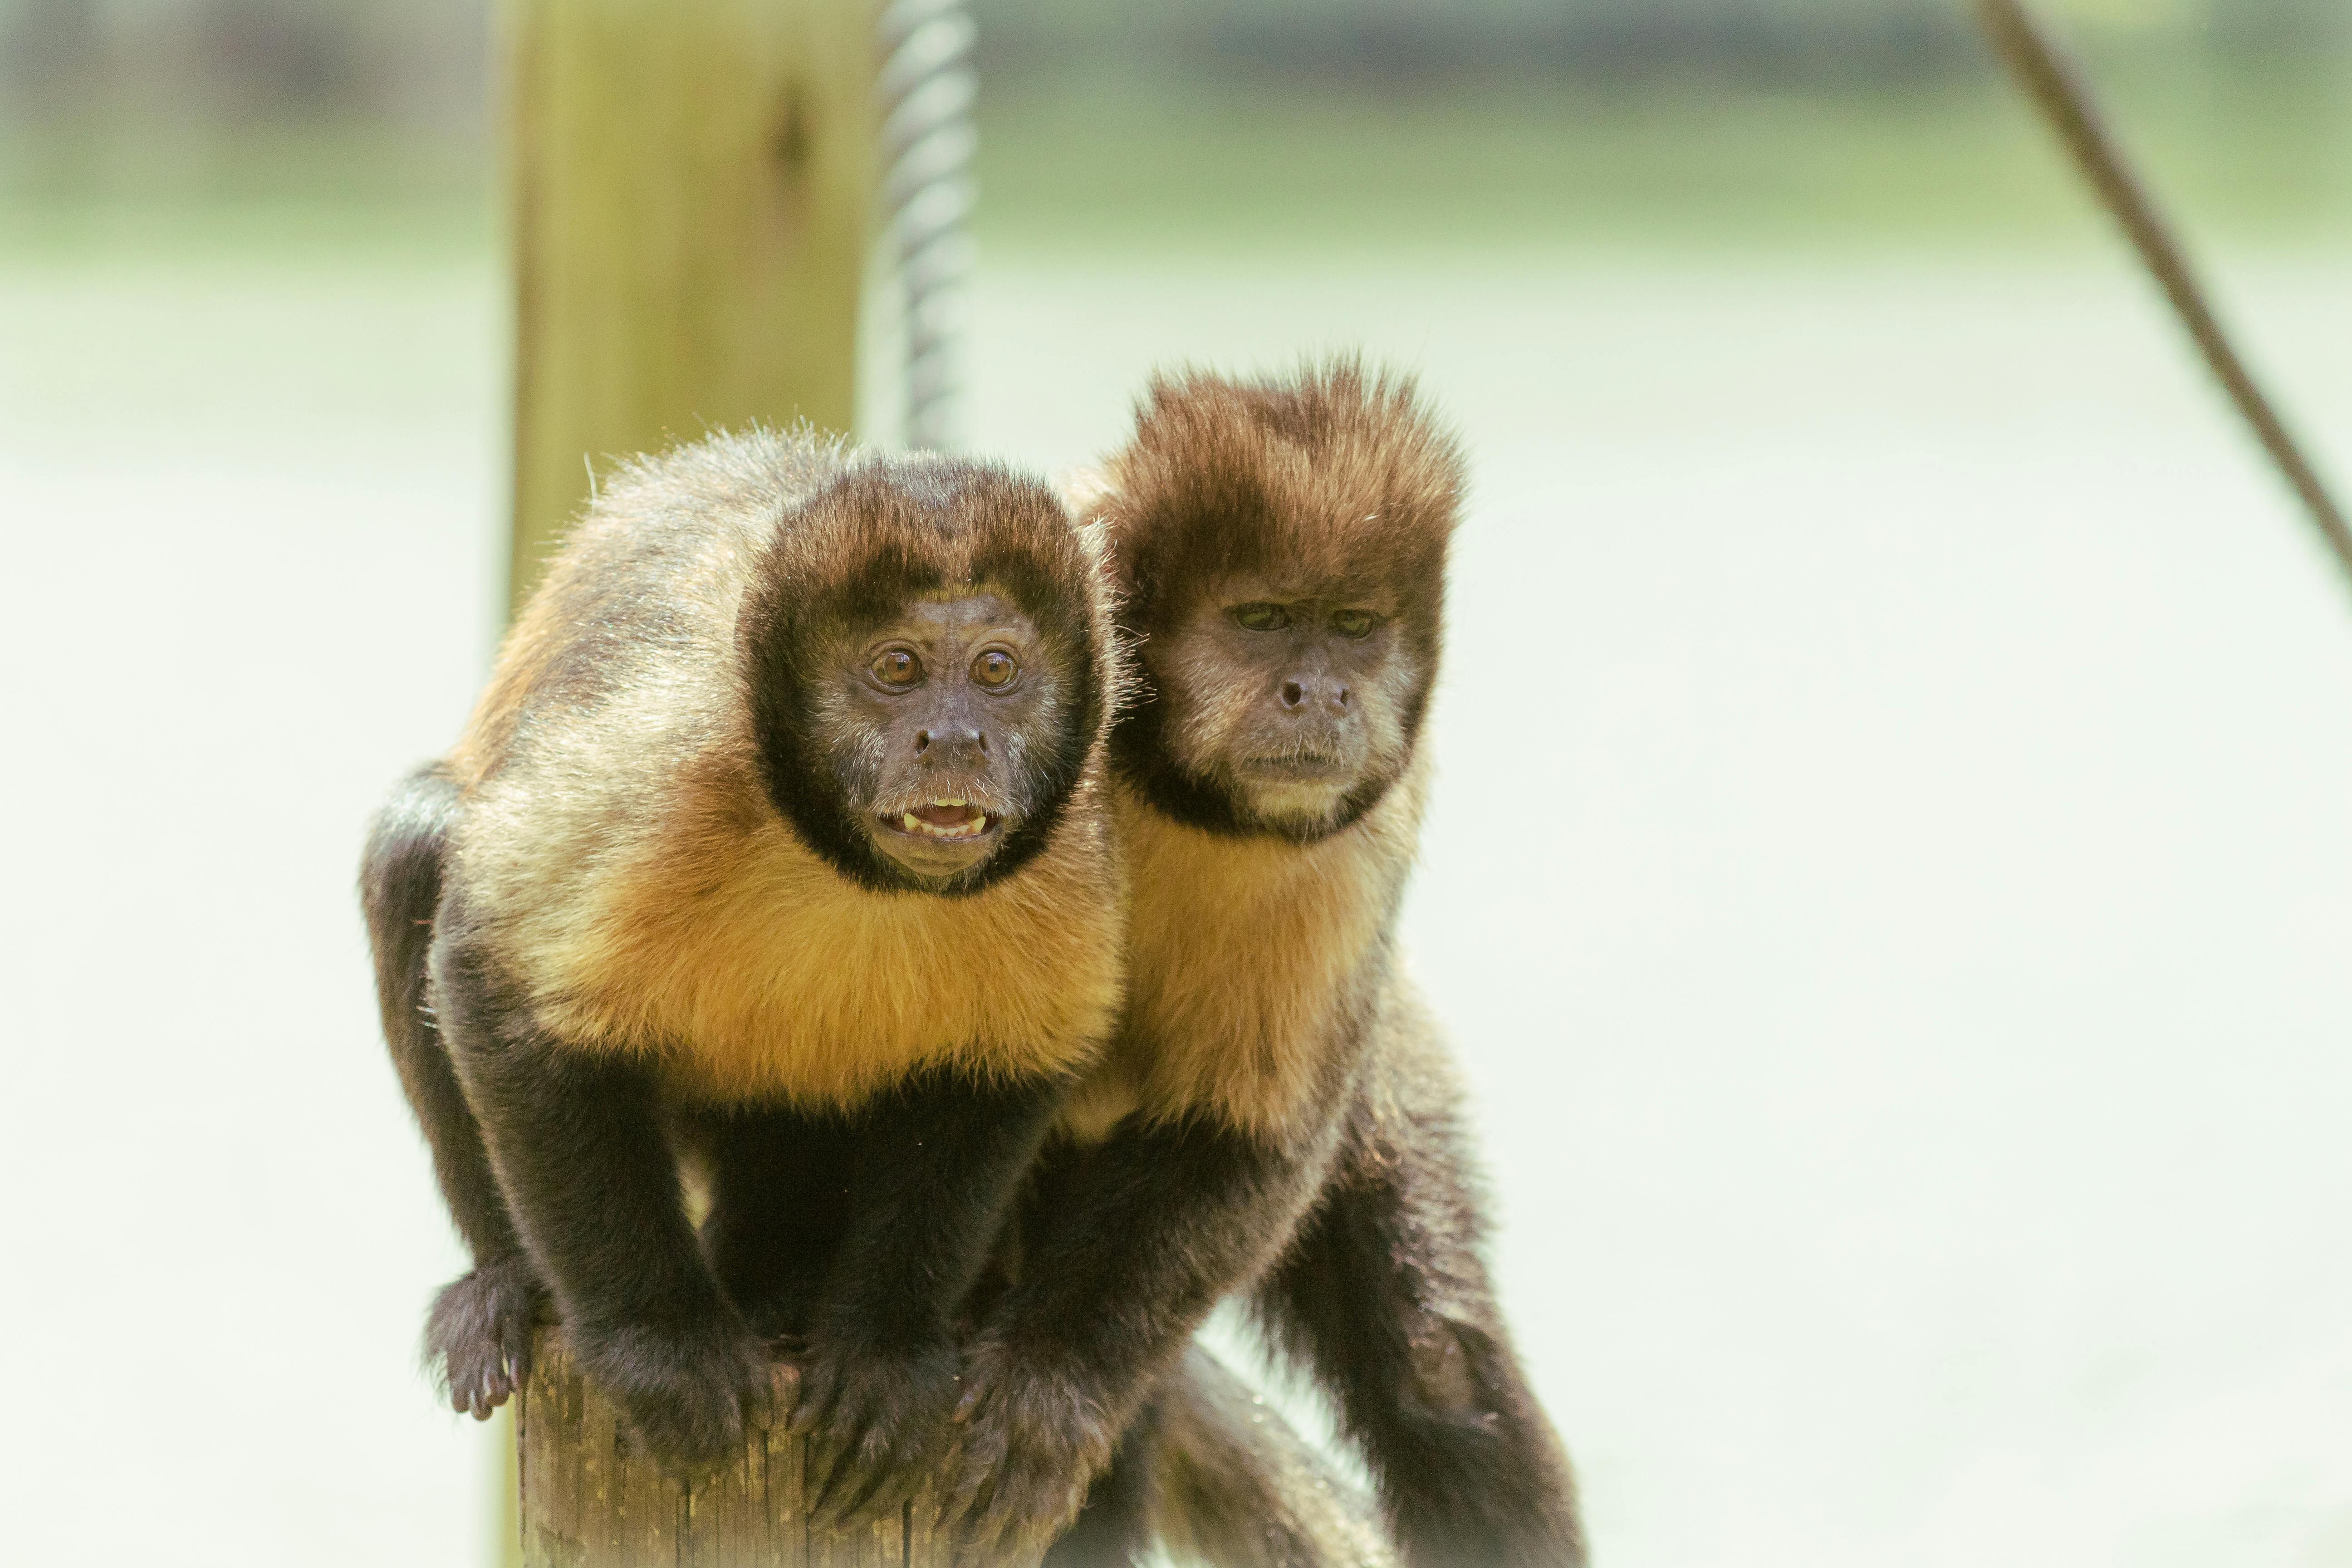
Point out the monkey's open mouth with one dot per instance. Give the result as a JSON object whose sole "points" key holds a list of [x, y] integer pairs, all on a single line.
{"points": [[950, 818]]}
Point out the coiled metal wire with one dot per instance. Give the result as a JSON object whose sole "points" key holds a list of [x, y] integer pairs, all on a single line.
{"points": [[925, 92]]}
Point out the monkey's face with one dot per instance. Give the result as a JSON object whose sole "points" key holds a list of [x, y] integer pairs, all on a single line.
{"points": [[1291, 699], [928, 721], [926, 654]]}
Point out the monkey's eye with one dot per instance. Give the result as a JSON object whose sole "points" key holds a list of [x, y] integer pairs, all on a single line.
{"points": [[1260, 618], [1351, 623], [897, 667], [995, 669]]}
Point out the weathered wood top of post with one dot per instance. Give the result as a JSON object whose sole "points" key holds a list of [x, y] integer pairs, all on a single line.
{"points": [[591, 1498]]}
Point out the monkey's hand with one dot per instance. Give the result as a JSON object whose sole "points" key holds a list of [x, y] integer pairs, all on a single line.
{"points": [[478, 1338], [1033, 1440], [876, 1419], [689, 1385]]}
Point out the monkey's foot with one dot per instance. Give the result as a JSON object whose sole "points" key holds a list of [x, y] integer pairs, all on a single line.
{"points": [[477, 1337], [1034, 1442], [876, 1420], [689, 1391]]}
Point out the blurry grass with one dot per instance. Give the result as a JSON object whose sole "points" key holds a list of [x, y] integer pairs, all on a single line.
{"points": [[2246, 156], [2264, 156], [132, 193]]}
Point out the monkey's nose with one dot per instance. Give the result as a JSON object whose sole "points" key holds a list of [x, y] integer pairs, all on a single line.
{"points": [[1317, 692], [953, 744]]}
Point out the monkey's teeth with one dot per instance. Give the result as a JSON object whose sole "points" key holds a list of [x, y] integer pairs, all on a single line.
{"points": [[971, 826]]}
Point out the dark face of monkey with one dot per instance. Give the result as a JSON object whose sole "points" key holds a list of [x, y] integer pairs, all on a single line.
{"points": [[923, 716], [1286, 706], [934, 705], [1281, 550]]}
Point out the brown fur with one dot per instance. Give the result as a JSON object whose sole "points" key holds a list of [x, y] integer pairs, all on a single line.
{"points": [[1278, 1118], [616, 843], [1247, 959], [1247, 953], [1335, 478]]}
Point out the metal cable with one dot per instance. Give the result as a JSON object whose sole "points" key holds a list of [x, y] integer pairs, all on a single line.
{"points": [[925, 89], [2065, 100]]}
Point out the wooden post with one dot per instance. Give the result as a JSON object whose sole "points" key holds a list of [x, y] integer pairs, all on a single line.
{"points": [[589, 1500], [690, 184]]}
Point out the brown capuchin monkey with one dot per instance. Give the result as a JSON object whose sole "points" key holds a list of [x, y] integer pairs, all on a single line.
{"points": [[1278, 1115], [778, 844]]}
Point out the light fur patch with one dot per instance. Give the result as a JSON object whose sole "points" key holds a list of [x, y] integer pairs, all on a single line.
{"points": [[1244, 957]]}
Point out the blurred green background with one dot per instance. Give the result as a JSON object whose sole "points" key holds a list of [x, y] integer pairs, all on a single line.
{"points": [[1695, 124]]}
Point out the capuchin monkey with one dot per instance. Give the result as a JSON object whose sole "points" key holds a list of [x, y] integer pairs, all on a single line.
{"points": [[778, 845], [1278, 1115]]}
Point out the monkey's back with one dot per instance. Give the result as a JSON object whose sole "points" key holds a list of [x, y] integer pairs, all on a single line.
{"points": [[622, 861]]}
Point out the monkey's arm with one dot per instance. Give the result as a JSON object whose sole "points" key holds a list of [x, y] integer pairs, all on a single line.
{"points": [[1138, 1241], [477, 1338], [592, 1183], [937, 1165], [1384, 1295]]}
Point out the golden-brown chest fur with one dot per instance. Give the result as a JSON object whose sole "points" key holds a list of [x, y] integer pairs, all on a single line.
{"points": [[710, 937], [1250, 962]]}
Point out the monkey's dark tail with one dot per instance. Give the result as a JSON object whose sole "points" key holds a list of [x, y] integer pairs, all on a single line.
{"points": [[400, 885], [1234, 1485]]}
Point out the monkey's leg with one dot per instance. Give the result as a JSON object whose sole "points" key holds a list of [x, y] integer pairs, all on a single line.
{"points": [[1216, 1475], [937, 1162], [778, 1209], [592, 1182], [1154, 1225], [477, 1336], [1385, 1296], [1234, 1485]]}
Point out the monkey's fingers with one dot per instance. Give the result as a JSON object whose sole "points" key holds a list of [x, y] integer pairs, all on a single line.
{"points": [[814, 1392], [1025, 1502], [934, 1503], [783, 1392], [824, 1462], [848, 1461], [881, 1485], [972, 1491], [867, 1470], [484, 1393], [982, 1545], [848, 1481]]}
